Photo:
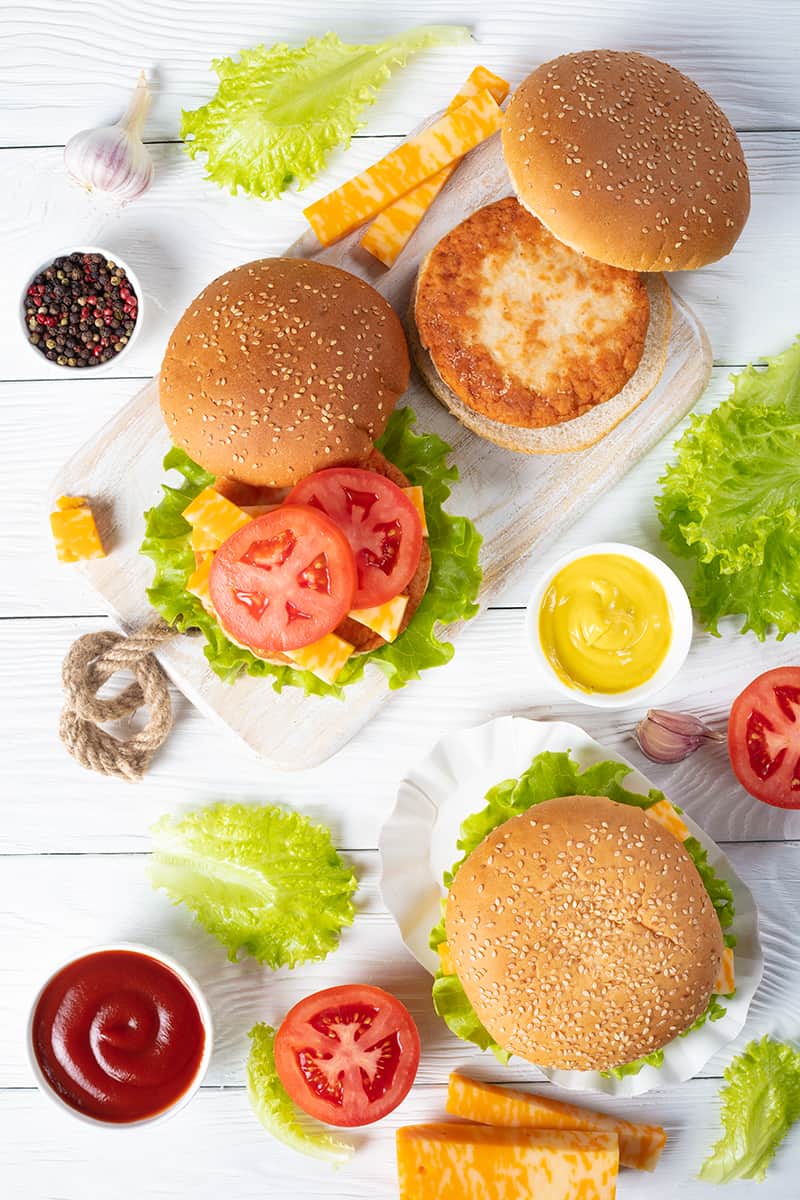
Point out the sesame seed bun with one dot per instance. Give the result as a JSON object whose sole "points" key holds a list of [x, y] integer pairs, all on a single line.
{"points": [[627, 160], [282, 367], [583, 935]]}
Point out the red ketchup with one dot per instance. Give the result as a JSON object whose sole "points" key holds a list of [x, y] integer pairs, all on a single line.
{"points": [[118, 1036]]}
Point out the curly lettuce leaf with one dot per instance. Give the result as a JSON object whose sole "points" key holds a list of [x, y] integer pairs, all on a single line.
{"points": [[275, 1110], [554, 774], [279, 111], [261, 879], [451, 594], [731, 501], [759, 1104]]}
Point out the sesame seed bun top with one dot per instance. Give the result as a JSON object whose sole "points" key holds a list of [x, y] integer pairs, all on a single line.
{"points": [[627, 160], [583, 935], [282, 367]]}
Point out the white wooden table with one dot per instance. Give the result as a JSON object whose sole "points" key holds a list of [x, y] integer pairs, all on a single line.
{"points": [[74, 845]]}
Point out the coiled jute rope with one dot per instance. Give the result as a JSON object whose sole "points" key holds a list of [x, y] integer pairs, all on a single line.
{"points": [[90, 663]]}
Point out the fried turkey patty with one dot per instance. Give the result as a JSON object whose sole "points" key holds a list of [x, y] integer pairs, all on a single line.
{"points": [[523, 329]]}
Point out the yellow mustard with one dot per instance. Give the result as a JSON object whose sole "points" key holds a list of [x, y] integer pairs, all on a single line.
{"points": [[604, 623]]}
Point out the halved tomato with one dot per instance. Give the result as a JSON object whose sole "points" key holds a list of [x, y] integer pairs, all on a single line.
{"points": [[348, 1055], [379, 521], [764, 737], [284, 580]]}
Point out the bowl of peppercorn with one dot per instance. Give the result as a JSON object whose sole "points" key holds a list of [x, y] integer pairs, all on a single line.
{"points": [[81, 309]]}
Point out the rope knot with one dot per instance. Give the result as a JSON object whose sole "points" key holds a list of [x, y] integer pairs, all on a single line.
{"points": [[90, 663]]}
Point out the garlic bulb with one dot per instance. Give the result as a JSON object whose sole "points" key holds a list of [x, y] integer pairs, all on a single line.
{"points": [[113, 159], [667, 737]]}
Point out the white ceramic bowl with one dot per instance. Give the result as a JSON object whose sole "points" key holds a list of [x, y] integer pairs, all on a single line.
{"points": [[53, 367], [202, 1007], [680, 614]]}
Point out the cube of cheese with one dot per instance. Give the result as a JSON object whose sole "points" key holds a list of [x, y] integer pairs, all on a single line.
{"points": [[725, 983], [418, 500], [74, 530], [462, 1161], [640, 1146], [324, 658], [215, 518], [383, 619], [666, 815]]}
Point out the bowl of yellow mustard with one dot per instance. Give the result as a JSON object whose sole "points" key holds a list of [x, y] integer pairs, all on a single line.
{"points": [[610, 625]]}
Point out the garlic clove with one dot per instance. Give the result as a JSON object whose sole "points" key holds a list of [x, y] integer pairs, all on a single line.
{"points": [[668, 737], [113, 159]]}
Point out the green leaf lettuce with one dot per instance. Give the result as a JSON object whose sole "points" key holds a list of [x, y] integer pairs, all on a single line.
{"points": [[554, 774], [759, 1103], [451, 594], [261, 879], [731, 501], [279, 111], [274, 1107]]}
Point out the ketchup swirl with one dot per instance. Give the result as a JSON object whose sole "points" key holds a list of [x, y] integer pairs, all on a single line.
{"points": [[118, 1036]]}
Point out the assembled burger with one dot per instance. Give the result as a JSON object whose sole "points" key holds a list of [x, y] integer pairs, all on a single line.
{"points": [[309, 531], [582, 932]]}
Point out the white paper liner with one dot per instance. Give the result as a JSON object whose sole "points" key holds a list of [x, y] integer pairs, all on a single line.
{"points": [[418, 843]]}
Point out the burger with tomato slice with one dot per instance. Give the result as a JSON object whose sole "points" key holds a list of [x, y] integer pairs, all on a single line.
{"points": [[307, 535]]}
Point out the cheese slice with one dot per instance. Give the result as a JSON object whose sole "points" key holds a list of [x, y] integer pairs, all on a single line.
{"points": [[416, 160], [446, 964], [384, 619], [417, 498], [725, 983], [391, 229], [215, 519], [462, 1161], [666, 815], [197, 583], [324, 658], [74, 530], [639, 1145], [203, 542]]}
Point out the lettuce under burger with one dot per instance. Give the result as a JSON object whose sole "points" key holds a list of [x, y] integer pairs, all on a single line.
{"points": [[451, 594], [579, 932]]}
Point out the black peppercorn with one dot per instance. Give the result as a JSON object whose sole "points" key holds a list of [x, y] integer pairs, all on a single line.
{"points": [[89, 304]]}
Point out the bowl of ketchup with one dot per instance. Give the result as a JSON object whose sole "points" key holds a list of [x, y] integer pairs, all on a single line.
{"points": [[120, 1036]]}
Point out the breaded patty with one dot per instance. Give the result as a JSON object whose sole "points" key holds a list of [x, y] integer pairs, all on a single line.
{"points": [[524, 330]]}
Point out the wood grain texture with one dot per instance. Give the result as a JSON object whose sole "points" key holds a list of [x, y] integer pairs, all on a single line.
{"points": [[217, 1148], [65, 66], [48, 930], [519, 503], [60, 416], [52, 805], [186, 231]]}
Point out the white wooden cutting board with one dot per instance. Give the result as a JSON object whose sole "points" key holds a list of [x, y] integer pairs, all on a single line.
{"points": [[518, 503]]}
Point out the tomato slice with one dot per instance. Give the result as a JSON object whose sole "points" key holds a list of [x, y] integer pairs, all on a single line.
{"points": [[379, 521], [284, 580], [348, 1055], [764, 737]]}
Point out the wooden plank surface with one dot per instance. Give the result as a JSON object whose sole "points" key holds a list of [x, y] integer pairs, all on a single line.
{"points": [[520, 503], [186, 231], [65, 65], [73, 846]]}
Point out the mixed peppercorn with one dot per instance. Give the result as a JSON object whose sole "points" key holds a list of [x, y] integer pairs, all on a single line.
{"points": [[81, 310]]}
